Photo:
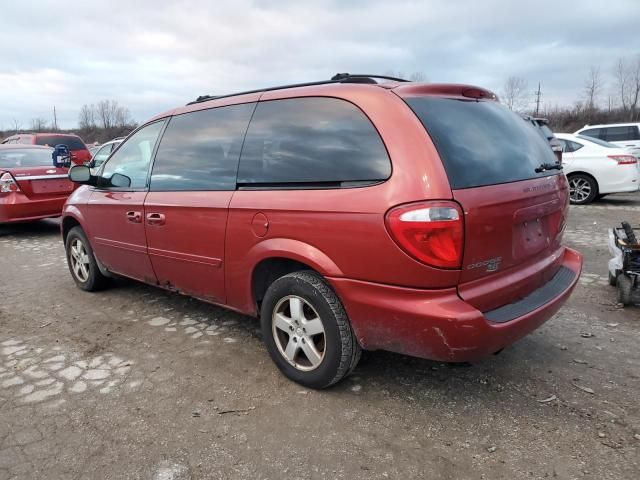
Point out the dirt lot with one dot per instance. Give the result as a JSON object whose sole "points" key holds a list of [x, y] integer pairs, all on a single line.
{"points": [[135, 382]]}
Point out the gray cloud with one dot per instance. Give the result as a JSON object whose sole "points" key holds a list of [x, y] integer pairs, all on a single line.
{"points": [[152, 55]]}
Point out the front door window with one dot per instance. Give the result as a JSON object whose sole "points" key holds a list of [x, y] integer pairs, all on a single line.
{"points": [[128, 167]]}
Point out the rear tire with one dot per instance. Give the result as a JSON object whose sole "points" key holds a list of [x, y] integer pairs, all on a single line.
{"points": [[583, 189], [625, 286], [307, 331], [82, 263]]}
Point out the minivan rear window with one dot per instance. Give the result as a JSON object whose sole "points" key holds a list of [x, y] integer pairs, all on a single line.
{"points": [[71, 141], [482, 142]]}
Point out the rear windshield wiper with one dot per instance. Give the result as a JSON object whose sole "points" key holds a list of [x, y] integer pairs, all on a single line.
{"points": [[548, 166]]}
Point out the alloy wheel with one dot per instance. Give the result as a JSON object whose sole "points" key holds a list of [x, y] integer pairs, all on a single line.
{"points": [[79, 259], [299, 333], [579, 189]]}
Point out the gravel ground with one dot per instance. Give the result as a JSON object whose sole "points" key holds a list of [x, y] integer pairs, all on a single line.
{"points": [[134, 382]]}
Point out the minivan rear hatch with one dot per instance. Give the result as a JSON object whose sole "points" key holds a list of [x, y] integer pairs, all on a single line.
{"points": [[505, 177]]}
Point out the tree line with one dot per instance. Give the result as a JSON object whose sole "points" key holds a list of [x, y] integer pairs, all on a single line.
{"points": [[601, 101], [99, 122]]}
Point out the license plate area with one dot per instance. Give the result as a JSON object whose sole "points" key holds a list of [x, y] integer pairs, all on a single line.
{"points": [[530, 237], [51, 186]]}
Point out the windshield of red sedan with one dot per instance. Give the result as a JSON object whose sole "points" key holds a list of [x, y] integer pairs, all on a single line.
{"points": [[25, 157]]}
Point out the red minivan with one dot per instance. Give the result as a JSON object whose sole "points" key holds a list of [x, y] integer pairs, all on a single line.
{"points": [[424, 219], [31, 188], [79, 152]]}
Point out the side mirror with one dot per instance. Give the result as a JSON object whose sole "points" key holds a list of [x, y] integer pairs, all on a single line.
{"points": [[81, 174], [119, 180]]}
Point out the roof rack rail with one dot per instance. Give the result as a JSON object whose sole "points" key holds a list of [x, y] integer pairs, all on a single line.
{"points": [[337, 78], [356, 77]]}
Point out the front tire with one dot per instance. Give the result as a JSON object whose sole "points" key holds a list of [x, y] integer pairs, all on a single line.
{"points": [[583, 189], [306, 330], [82, 263]]}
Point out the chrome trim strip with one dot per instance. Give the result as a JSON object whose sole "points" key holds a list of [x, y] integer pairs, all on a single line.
{"points": [[40, 177]]}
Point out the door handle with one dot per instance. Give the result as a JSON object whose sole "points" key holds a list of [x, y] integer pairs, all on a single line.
{"points": [[134, 217], [155, 218]]}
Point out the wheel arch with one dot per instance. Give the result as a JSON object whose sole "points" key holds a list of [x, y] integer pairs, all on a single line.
{"points": [[276, 257], [588, 174], [67, 223]]}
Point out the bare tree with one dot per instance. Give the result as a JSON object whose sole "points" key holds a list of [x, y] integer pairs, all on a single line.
{"points": [[418, 77], [621, 75], [592, 88], [16, 126], [38, 124], [514, 93], [123, 117], [627, 76], [87, 117], [634, 77], [106, 113]]}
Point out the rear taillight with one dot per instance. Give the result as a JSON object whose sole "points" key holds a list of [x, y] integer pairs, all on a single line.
{"points": [[8, 184], [624, 159], [431, 232]]}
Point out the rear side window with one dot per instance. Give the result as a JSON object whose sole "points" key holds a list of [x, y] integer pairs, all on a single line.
{"points": [[71, 141], [482, 143], [312, 142], [569, 146], [200, 150], [616, 134], [593, 132]]}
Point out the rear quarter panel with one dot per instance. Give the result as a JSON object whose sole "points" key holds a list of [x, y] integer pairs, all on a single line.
{"points": [[344, 226]]}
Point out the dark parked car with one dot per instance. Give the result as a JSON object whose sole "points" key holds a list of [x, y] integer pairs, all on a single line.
{"points": [[424, 219], [543, 126]]}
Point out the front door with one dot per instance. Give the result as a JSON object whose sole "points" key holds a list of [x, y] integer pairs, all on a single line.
{"points": [[115, 216], [192, 182]]}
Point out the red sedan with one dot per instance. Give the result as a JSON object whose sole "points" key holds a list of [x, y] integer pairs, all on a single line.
{"points": [[31, 188]]}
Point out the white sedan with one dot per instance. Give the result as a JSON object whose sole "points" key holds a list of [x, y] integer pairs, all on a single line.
{"points": [[596, 168]]}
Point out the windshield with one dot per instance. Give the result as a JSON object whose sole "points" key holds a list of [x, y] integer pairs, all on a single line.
{"points": [[483, 143], [597, 141], [25, 157], [71, 141]]}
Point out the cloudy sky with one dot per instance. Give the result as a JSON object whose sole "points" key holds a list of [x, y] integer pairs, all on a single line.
{"points": [[151, 55]]}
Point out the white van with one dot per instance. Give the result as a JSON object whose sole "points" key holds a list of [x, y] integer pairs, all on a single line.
{"points": [[626, 135]]}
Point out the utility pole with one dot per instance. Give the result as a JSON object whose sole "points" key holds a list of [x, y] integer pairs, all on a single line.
{"points": [[55, 119], [538, 95]]}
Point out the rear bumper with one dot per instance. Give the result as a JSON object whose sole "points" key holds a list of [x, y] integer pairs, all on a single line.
{"points": [[17, 207], [627, 179], [438, 324]]}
